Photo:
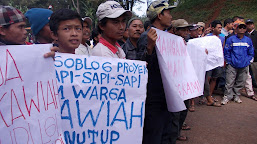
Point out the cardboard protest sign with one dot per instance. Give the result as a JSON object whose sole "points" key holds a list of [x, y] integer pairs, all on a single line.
{"points": [[215, 57], [198, 57], [179, 78], [102, 99], [29, 105]]}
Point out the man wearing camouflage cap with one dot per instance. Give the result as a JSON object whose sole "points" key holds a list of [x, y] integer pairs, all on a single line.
{"points": [[157, 124], [12, 26]]}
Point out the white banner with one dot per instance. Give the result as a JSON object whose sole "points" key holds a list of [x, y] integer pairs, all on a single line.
{"points": [[102, 99], [178, 75], [215, 56], [198, 57], [29, 105]]}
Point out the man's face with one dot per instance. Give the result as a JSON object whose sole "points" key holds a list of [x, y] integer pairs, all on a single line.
{"points": [[69, 35], [217, 29], [241, 29], [45, 33], [86, 31], [194, 33], [230, 26], [250, 26], [183, 32], [114, 28], [136, 28], [15, 33], [165, 18]]}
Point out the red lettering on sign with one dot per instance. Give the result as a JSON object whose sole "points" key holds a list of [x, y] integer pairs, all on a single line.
{"points": [[15, 65], [21, 114]]}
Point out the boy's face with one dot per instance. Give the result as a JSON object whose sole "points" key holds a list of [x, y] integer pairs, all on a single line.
{"points": [[15, 34], [114, 28], [69, 35]]}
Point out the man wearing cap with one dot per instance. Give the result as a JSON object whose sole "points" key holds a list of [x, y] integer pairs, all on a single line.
{"points": [[238, 52], [135, 29], [181, 28], [201, 28], [158, 120], [39, 21], [84, 48], [253, 35], [111, 24], [12, 26]]}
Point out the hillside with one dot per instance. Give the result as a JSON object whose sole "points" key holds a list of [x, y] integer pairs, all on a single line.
{"points": [[209, 10]]}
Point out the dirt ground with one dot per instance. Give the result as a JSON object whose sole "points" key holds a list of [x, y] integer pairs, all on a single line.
{"points": [[230, 124]]}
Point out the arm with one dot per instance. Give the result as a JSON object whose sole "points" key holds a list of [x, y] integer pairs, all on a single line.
{"points": [[227, 51], [146, 45], [250, 50], [52, 53]]}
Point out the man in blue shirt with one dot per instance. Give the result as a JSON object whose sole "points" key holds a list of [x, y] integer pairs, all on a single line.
{"points": [[238, 52]]}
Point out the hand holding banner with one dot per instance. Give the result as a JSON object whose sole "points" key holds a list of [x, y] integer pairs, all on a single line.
{"points": [[29, 105], [102, 99], [178, 75]]}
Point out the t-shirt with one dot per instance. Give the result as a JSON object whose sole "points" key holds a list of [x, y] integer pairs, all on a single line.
{"points": [[105, 49]]}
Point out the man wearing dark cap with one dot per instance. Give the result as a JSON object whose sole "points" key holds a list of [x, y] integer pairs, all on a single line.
{"points": [[253, 35], [39, 21], [157, 124], [12, 26]]}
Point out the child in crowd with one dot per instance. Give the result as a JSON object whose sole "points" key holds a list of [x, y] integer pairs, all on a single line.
{"points": [[66, 26]]}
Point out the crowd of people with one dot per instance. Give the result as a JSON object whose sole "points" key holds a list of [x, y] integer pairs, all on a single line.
{"points": [[119, 36]]}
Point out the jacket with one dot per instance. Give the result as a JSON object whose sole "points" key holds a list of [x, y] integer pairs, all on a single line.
{"points": [[238, 52], [155, 90]]}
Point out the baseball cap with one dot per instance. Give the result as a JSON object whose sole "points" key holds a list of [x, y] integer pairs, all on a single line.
{"points": [[10, 15], [111, 9], [202, 24], [180, 23], [194, 27], [88, 20], [156, 8], [38, 18], [249, 21], [238, 23]]}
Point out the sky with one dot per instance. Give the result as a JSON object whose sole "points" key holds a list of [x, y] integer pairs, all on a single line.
{"points": [[140, 9]]}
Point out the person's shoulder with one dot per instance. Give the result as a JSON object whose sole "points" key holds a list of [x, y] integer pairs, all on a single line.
{"points": [[97, 50]]}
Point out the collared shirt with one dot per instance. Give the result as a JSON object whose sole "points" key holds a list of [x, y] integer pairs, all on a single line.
{"points": [[105, 49], [251, 31], [83, 50], [130, 50]]}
